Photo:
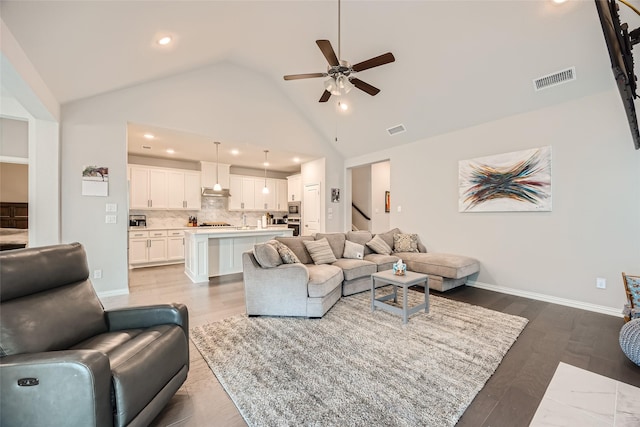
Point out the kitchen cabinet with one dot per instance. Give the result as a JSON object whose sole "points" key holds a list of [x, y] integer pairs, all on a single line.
{"points": [[282, 189], [155, 247], [147, 246], [265, 202], [294, 188], [242, 189], [175, 245], [208, 174], [183, 190], [246, 193], [161, 188]]}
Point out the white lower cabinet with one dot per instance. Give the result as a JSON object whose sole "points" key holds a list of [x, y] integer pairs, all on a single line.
{"points": [[155, 247], [175, 245]]}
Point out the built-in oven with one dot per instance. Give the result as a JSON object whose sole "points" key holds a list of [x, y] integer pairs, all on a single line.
{"points": [[294, 224], [295, 209]]}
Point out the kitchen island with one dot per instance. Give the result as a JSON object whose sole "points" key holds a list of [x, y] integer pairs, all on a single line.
{"points": [[211, 252]]}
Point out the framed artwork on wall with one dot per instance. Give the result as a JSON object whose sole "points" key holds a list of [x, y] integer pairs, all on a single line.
{"points": [[95, 181], [519, 181], [387, 201]]}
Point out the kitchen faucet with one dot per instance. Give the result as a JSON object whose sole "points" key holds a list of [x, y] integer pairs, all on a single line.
{"points": [[244, 219]]}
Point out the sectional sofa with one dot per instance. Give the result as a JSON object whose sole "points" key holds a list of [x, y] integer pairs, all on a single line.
{"points": [[307, 275]]}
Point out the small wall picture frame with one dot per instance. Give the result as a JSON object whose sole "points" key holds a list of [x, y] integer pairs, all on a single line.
{"points": [[95, 181], [335, 195], [387, 201]]}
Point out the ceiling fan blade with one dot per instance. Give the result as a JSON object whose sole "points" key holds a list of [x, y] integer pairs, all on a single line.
{"points": [[385, 58], [304, 76], [366, 87], [328, 52], [325, 96]]}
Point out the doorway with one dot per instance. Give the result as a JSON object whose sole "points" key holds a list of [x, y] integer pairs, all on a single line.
{"points": [[370, 197], [311, 210]]}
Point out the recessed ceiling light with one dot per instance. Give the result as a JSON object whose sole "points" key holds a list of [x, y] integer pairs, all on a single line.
{"points": [[235, 152], [265, 164], [296, 159], [148, 135], [558, 1], [164, 40], [170, 150]]}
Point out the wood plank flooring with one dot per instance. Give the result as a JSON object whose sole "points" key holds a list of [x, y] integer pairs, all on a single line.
{"points": [[510, 398]]}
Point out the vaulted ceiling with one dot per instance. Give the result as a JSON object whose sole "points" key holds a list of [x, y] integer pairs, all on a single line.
{"points": [[458, 63]]}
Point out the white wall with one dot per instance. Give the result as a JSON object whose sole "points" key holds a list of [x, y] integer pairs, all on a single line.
{"points": [[593, 230], [225, 102]]}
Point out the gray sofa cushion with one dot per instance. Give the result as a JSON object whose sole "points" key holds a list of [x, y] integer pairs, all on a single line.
{"points": [[355, 268], [379, 246], [353, 250], [298, 248], [323, 279], [336, 241], [405, 242], [383, 262], [267, 255], [320, 251], [388, 236], [361, 237], [445, 265]]}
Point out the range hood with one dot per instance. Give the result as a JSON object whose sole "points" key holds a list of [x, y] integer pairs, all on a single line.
{"points": [[210, 192]]}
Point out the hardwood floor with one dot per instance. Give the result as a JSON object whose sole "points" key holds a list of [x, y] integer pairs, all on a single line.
{"points": [[510, 398]]}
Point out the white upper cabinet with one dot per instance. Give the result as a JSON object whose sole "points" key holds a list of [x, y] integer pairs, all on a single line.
{"points": [[208, 171], [161, 188], [246, 194], [282, 189], [295, 188]]}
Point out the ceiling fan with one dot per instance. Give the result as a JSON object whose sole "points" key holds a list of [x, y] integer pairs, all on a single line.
{"points": [[341, 73]]}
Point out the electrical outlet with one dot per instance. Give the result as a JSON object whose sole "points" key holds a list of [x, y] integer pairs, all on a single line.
{"points": [[601, 283], [399, 208], [97, 274]]}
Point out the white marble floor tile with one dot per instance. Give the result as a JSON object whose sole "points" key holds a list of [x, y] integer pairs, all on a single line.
{"points": [[554, 414], [628, 406], [579, 397], [584, 390]]}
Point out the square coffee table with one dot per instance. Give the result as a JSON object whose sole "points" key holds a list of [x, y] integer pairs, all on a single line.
{"points": [[410, 278]]}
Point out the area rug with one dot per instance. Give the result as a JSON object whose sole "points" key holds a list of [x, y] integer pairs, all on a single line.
{"points": [[355, 367]]}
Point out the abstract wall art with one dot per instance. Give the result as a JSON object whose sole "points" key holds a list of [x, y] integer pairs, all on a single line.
{"points": [[518, 181]]}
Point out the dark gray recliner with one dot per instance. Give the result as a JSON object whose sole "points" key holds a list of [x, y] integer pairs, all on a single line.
{"points": [[65, 361]]}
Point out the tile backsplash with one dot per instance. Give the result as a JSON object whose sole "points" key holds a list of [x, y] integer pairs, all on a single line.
{"points": [[212, 209]]}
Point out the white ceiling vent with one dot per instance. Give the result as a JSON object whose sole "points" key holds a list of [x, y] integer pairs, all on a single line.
{"points": [[396, 129], [555, 79]]}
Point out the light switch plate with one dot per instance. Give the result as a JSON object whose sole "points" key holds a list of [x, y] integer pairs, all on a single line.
{"points": [[110, 219], [112, 207]]}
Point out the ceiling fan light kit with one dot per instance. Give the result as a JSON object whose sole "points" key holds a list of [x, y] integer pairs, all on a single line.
{"points": [[341, 79]]}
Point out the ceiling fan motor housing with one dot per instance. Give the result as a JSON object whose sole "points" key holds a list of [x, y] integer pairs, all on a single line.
{"points": [[343, 69]]}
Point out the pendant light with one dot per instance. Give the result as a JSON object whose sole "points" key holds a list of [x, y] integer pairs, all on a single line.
{"points": [[217, 187], [265, 189]]}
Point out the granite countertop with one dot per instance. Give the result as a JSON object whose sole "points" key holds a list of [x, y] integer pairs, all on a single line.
{"points": [[232, 228]]}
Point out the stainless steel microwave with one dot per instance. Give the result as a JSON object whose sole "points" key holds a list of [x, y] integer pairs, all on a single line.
{"points": [[295, 209]]}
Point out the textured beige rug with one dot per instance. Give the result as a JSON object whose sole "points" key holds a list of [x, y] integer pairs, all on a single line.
{"points": [[358, 368]]}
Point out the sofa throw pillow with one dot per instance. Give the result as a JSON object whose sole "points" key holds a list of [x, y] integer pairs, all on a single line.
{"points": [[267, 255], [405, 242], [379, 246], [353, 250], [320, 251], [285, 252]]}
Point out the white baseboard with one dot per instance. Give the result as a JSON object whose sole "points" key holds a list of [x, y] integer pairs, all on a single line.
{"points": [[106, 294], [617, 312]]}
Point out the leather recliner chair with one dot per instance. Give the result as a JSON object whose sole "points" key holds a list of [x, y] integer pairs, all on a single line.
{"points": [[65, 361]]}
